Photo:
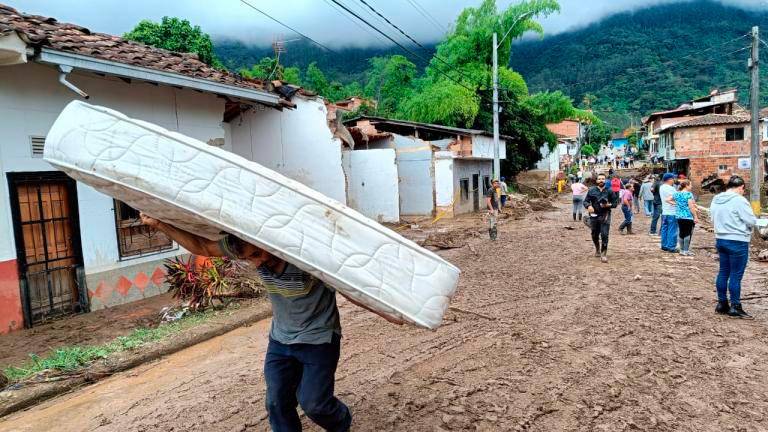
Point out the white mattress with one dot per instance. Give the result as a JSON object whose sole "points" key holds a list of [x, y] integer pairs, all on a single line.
{"points": [[207, 190]]}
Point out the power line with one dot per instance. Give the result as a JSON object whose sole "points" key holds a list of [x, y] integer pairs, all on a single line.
{"points": [[288, 27], [425, 13], [351, 12], [357, 24]]}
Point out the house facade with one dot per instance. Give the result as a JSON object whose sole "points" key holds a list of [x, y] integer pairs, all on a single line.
{"points": [[66, 248], [406, 169], [713, 144]]}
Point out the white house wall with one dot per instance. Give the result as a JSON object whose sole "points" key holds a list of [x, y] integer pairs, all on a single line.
{"points": [[30, 100], [294, 142], [372, 185], [482, 147], [414, 162], [444, 182]]}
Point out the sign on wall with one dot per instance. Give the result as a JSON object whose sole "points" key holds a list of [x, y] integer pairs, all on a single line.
{"points": [[744, 164]]}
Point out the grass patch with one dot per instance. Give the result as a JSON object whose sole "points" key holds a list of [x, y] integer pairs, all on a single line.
{"points": [[67, 359]]}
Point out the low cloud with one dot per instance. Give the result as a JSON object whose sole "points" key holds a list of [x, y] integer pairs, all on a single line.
{"points": [[321, 20]]}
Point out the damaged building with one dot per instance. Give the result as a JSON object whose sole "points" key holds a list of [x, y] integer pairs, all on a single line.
{"points": [[399, 168]]}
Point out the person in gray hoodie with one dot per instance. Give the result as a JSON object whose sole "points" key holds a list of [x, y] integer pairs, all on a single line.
{"points": [[733, 219]]}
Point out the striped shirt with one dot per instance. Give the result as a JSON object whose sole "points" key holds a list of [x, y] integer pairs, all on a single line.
{"points": [[303, 307]]}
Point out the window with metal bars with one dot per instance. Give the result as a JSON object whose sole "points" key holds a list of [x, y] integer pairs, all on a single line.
{"points": [[133, 237]]}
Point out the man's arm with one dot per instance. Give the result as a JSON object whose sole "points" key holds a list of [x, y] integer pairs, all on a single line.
{"points": [[193, 243]]}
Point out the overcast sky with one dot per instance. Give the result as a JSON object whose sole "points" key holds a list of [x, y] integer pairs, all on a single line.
{"points": [[315, 18]]}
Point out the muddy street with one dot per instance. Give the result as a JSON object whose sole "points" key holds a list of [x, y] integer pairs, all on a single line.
{"points": [[541, 337]]}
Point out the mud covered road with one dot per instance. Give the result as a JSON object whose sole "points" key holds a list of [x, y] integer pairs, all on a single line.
{"points": [[542, 337]]}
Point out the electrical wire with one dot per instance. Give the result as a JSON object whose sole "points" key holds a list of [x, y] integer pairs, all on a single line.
{"points": [[288, 27], [357, 24], [425, 13], [408, 50]]}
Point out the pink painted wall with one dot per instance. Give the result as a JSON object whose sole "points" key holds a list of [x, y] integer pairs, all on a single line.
{"points": [[11, 315]]}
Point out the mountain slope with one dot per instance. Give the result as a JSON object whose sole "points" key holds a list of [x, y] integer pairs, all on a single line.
{"points": [[344, 65], [646, 60]]}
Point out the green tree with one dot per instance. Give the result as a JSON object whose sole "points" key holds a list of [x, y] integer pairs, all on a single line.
{"points": [[391, 81], [315, 80], [177, 35], [292, 75], [587, 150]]}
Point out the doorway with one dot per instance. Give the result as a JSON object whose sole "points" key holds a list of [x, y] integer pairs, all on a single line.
{"points": [[47, 234], [476, 192]]}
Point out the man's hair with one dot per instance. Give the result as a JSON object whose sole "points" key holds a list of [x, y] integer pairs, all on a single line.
{"points": [[601, 175], [734, 182]]}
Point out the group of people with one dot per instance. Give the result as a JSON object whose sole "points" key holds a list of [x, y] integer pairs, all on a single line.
{"points": [[671, 200]]}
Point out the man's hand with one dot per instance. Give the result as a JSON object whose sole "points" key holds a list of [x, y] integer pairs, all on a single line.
{"points": [[590, 209], [149, 221]]}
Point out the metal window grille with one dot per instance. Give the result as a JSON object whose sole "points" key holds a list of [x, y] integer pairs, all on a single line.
{"points": [[133, 237]]}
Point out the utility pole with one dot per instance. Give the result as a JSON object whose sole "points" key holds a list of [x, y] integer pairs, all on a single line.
{"points": [[754, 101], [496, 161]]}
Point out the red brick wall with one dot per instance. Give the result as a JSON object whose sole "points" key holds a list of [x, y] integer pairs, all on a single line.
{"points": [[11, 316], [707, 149], [568, 128]]}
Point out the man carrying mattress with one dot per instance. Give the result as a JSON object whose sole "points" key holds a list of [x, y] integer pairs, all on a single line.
{"points": [[305, 338]]}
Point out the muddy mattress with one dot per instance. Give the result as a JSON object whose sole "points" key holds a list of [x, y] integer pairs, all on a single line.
{"points": [[210, 191]]}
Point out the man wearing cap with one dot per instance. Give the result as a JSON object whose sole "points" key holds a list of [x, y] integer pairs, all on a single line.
{"points": [[668, 214]]}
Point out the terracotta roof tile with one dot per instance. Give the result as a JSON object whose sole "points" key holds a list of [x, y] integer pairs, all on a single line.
{"points": [[712, 119], [42, 31]]}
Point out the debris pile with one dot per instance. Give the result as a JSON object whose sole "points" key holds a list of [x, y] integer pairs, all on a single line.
{"points": [[445, 240], [517, 202]]}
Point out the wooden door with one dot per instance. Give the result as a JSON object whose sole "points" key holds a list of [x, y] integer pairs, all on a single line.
{"points": [[44, 207]]}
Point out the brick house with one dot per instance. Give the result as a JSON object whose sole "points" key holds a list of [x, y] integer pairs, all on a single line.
{"points": [[712, 144]]}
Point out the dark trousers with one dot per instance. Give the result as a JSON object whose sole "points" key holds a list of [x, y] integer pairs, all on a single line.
{"points": [[655, 218], [601, 228], [734, 256], [303, 374]]}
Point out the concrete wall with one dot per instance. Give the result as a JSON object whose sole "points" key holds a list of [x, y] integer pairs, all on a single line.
{"points": [[294, 142], [372, 183], [464, 169], [30, 100], [446, 193], [482, 147], [414, 163]]}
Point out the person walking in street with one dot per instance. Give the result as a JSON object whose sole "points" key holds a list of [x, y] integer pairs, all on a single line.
{"points": [[656, 190], [668, 214], [579, 193], [733, 221], [687, 216], [503, 193], [304, 338], [616, 184], [492, 202], [635, 194], [599, 202], [646, 194], [626, 196]]}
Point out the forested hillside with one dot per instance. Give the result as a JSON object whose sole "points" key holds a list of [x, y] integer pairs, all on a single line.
{"points": [[651, 59], [344, 65]]}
